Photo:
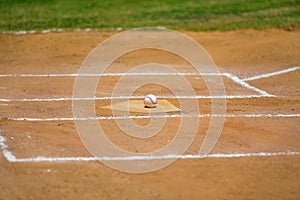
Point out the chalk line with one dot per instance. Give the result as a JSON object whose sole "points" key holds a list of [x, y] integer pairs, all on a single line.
{"points": [[133, 97], [156, 117], [12, 158], [53, 30], [58, 30], [163, 157], [246, 85], [228, 75], [234, 78], [7, 154], [271, 74], [116, 74], [156, 74]]}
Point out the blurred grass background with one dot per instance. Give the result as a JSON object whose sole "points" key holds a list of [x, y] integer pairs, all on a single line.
{"points": [[196, 15]]}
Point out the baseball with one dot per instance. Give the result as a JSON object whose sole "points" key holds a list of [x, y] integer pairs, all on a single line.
{"points": [[150, 101]]}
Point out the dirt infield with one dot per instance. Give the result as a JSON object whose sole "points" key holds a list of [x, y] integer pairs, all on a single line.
{"points": [[256, 157]]}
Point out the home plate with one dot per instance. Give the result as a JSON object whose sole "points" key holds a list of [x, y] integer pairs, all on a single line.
{"points": [[138, 106]]}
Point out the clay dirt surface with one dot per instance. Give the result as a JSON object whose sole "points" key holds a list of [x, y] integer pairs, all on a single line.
{"points": [[243, 53]]}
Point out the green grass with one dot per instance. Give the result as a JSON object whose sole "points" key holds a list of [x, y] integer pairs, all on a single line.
{"points": [[174, 14]]}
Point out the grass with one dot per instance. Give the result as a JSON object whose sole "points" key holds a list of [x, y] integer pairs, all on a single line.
{"points": [[194, 15]]}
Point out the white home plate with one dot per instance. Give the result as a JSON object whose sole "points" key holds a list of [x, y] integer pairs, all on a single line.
{"points": [[139, 107]]}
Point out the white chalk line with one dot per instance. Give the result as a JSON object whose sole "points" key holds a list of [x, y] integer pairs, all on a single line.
{"points": [[228, 75], [125, 117], [12, 158], [246, 85], [155, 74], [271, 74], [7, 154], [115, 74], [59, 30], [133, 97], [56, 30]]}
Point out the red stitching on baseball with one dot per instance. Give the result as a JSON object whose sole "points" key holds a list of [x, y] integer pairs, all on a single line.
{"points": [[154, 102]]}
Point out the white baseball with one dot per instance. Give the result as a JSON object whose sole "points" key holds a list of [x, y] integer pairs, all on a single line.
{"points": [[150, 101]]}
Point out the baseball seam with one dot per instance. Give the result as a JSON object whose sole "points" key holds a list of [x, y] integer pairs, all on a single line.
{"points": [[152, 101]]}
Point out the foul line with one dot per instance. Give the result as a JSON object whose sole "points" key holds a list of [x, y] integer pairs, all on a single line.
{"points": [[271, 74], [156, 116], [12, 158]]}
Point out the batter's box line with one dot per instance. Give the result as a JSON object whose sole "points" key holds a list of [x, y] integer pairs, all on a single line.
{"points": [[12, 158]]}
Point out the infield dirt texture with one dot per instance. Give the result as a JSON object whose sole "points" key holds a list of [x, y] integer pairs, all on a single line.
{"points": [[256, 157]]}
